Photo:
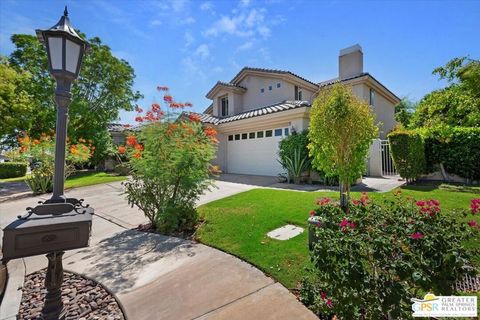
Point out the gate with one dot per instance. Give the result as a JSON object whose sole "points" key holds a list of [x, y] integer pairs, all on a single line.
{"points": [[388, 168]]}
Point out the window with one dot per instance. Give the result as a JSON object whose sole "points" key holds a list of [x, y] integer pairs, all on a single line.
{"points": [[262, 90], [372, 97], [260, 134], [244, 136], [251, 135], [278, 85], [298, 93], [270, 88], [230, 137], [224, 106], [268, 133], [278, 132], [286, 132], [237, 137]]}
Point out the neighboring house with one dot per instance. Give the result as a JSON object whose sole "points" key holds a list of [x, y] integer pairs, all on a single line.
{"points": [[259, 107]]}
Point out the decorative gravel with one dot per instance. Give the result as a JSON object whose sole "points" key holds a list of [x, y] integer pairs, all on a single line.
{"points": [[83, 298]]}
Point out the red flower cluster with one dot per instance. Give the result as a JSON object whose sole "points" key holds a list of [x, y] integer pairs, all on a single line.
{"points": [[160, 88], [362, 201], [188, 104], [475, 206], [430, 207], [193, 117], [168, 98], [121, 149], [345, 224], [138, 109], [417, 236], [472, 224], [131, 141], [312, 213], [328, 302], [324, 201], [210, 132]]}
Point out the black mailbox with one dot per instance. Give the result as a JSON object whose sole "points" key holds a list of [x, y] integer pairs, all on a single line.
{"points": [[43, 233]]}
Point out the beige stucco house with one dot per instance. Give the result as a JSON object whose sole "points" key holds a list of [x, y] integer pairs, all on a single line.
{"points": [[259, 107]]}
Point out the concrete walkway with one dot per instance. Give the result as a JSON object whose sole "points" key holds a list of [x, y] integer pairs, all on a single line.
{"points": [[160, 277]]}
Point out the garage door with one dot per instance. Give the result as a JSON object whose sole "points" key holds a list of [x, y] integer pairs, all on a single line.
{"points": [[255, 152]]}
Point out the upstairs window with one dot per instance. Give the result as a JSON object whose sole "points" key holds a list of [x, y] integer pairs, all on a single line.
{"points": [[298, 93], [270, 88], [278, 85], [224, 106], [372, 97], [262, 90]]}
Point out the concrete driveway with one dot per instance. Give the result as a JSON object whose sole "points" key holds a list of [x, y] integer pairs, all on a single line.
{"points": [[160, 277]]}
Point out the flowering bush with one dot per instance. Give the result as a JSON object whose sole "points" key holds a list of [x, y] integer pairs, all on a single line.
{"points": [[41, 154], [373, 258], [170, 162]]}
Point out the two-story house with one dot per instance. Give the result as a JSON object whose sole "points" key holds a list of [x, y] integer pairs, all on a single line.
{"points": [[259, 107]]}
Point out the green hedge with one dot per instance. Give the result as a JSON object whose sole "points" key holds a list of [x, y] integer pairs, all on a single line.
{"points": [[458, 148], [12, 169], [408, 153], [295, 141]]}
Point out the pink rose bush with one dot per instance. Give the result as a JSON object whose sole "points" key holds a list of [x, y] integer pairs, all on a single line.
{"points": [[371, 260]]}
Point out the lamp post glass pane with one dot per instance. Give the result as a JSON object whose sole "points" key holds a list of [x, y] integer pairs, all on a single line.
{"points": [[55, 49], [71, 56]]}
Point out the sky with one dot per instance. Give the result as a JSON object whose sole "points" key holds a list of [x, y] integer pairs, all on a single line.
{"points": [[188, 45]]}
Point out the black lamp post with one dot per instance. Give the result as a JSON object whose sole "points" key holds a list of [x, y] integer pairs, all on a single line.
{"points": [[65, 51]]}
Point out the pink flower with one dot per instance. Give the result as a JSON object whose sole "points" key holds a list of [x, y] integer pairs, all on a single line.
{"points": [[323, 201], [329, 303], [420, 203], [472, 223], [355, 202], [312, 213], [323, 295], [352, 225], [416, 236], [475, 206], [344, 223]]}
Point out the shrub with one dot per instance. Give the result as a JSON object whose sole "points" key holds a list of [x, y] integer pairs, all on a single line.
{"points": [[341, 131], [122, 169], [12, 169], [457, 148], [295, 141], [408, 153], [170, 163], [296, 165], [370, 260], [41, 152]]}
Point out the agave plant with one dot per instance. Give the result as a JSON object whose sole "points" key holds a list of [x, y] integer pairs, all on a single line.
{"points": [[295, 166]]}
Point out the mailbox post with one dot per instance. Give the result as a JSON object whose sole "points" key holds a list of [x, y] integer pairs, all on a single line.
{"points": [[60, 223]]}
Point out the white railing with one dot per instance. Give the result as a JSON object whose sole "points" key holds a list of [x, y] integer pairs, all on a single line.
{"points": [[388, 168]]}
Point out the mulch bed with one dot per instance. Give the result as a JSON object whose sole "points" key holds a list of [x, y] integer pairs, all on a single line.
{"points": [[83, 298]]}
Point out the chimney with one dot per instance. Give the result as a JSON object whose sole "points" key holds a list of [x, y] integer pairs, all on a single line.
{"points": [[350, 62]]}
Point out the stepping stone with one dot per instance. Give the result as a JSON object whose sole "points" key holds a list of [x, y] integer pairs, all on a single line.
{"points": [[286, 232]]}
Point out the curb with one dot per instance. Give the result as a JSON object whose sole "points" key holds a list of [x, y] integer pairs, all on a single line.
{"points": [[17, 196], [13, 292]]}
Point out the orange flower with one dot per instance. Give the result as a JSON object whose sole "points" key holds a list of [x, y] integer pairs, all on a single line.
{"points": [[36, 141], [193, 117], [131, 141], [210, 132], [73, 149], [121, 149], [137, 155], [168, 98], [138, 147]]}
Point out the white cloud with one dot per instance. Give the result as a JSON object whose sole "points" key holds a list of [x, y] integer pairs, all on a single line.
{"points": [[188, 20], [155, 23], [178, 5], [247, 45], [203, 51], [189, 39], [207, 6], [217, 69], [245, 3]]}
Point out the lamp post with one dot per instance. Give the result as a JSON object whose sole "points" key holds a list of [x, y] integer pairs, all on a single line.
{"points": [[65, 49]]}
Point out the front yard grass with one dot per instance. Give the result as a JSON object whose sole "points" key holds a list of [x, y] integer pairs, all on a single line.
{"points": [[239, 224]]}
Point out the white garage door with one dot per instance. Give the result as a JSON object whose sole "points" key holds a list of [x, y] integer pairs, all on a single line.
{"points": [[255, 152]]}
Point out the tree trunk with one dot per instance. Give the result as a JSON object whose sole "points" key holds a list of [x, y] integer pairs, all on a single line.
{"points": [[344, 195]]}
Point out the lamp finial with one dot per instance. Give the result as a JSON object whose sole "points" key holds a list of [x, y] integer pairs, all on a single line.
{"points": [[65, 12]]}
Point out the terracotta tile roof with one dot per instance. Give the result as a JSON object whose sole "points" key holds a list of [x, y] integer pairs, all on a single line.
{"points": [[274, 108], [271, 71], [225, 84], [336, 80], [118, 127]]}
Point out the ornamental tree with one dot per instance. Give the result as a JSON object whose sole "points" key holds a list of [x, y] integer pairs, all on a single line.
{"points": [[170, 164], [341, 131]]}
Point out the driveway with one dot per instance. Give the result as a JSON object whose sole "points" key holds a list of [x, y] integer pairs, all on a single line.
{"points": [[160, 277]]}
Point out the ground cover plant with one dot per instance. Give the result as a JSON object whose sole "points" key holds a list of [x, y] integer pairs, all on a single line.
{"points": [[170, 165], [239, 224]]}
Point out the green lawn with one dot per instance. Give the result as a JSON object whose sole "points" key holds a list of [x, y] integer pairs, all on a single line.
{"points": [[239, 224], [81, 179]]}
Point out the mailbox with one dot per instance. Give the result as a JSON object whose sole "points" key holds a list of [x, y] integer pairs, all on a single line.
{"points": [[45, 230]]}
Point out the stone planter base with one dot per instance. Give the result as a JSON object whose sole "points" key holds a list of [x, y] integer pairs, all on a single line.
{"points": [[312, 226]]}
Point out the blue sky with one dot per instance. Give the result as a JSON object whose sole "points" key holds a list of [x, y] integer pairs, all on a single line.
{"points": [[189, 45]]}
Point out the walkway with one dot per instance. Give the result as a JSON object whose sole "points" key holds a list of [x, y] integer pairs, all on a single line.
{"points": [[160, 277]]}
